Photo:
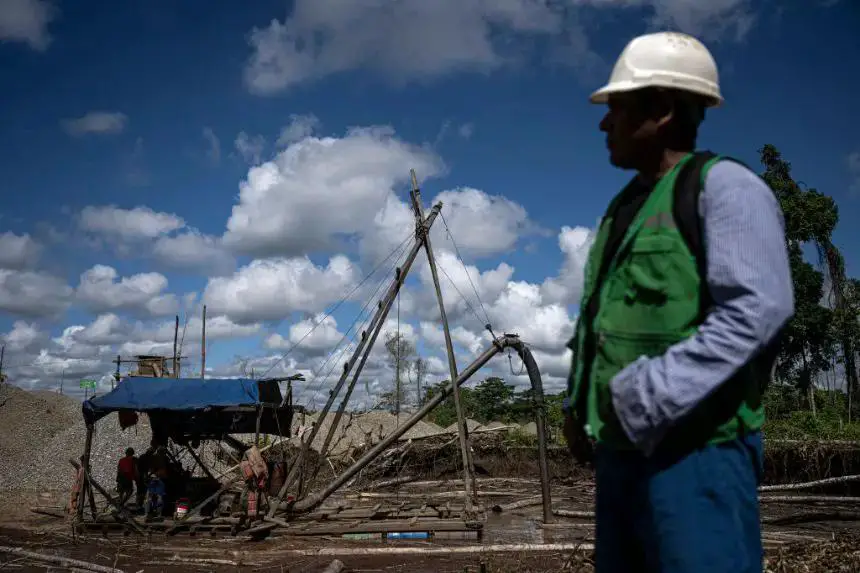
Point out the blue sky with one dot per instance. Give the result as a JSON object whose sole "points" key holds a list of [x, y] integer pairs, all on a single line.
{"points": [[129, 129]]}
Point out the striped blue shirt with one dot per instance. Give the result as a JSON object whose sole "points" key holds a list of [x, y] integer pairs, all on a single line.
{"points": [[750, 282]]}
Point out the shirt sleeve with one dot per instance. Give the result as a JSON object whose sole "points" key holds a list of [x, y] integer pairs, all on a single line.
{"points": [[749, 279]]}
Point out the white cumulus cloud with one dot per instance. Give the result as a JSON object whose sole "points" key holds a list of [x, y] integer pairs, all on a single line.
{"points": [[415, 40], [96, 123], [269, 289], [320, 188], [18, 251], [101, 289]]}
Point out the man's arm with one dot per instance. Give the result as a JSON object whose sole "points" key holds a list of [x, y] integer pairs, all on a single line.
{"points": [[750, 282]]}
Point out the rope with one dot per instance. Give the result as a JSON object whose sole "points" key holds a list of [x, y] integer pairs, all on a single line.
{"points": [[465, 268], [362, 316], [339, 303], [454, 285], [364, 309]]}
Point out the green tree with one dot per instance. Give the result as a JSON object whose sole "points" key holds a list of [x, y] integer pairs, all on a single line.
{"points": [[445, 413], [810, 218], [493, 400]]}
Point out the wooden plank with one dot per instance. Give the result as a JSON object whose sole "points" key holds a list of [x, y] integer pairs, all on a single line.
{"points": [[383, 526], [389, 513]]}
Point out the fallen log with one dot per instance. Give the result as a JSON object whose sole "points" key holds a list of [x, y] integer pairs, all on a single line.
{"points": [[205, 561], [335, 566], [812, 517], [571, 513], [431, 494], [49, 511], [443, 483], [392, 482], [807, 499], [811, 484], [276, 521], [57, 560], [446, 550], [527, 502]]}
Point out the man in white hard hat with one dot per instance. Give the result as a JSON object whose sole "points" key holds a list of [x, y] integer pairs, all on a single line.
{"points": [[686, 289]]}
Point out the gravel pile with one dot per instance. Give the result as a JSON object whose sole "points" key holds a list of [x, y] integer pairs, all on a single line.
{"points": [[471, 425], [356, 431], [41, 431], [30, 419]]}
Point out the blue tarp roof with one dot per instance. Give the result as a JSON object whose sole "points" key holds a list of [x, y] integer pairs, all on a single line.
{"points": [[179, 394]]}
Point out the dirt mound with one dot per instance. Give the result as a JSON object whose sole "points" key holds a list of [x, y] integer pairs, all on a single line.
{"points": [[28, 421], [46, 467], [471, 425]]}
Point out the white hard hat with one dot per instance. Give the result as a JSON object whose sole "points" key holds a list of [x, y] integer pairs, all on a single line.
{"points": [[665, 60]]}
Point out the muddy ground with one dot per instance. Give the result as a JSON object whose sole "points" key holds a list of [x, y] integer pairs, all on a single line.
{"points": [[829, 542], [815, 534]]}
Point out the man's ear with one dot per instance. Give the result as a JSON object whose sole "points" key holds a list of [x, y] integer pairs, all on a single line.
{"points": [[664, 109]]}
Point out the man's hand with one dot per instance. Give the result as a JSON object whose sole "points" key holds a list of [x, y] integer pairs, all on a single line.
{"points": [[580, 445]]}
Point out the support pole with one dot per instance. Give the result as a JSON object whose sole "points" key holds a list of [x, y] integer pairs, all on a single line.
{"points": [[116, 376], [2, 355], [203, 348], [122, 512], [85, 460], [374, 452], [462, 428], [398, 281], [378, 317], [175, 342]]}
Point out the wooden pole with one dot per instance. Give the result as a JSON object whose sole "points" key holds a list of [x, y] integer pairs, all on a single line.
{"points": [[462, 429], [116, 374], [85, 460], [175, 341], [203, 348], [122, 513], [379, 316], [399, 276], [2, 355]]}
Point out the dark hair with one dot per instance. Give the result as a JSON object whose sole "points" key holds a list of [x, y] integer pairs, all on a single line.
{"points": [[129, 451]]}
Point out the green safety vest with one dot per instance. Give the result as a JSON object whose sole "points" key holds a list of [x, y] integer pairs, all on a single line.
{"points": [[650, 299]]}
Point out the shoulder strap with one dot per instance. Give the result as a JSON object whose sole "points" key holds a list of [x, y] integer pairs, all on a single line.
{"points": [[688, 188]]}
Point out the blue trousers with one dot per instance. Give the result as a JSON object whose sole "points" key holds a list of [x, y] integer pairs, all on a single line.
{"points": [[693, 514]]}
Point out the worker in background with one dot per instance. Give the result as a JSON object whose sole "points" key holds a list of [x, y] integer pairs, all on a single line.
{"points": [[687, 285], [158, 466], [126, 476], [144, 463]]}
